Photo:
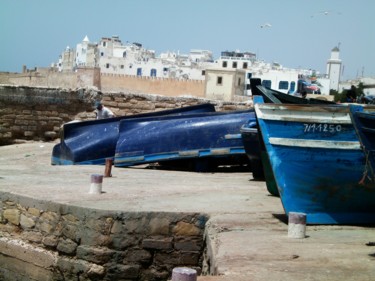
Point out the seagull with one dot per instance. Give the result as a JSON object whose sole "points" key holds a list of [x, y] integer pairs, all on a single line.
{"points": [[324, 13], [265, 25]]}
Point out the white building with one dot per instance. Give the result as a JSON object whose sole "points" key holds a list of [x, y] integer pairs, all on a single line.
{"points": [[114, 57], [225, 84], [86, 54]]}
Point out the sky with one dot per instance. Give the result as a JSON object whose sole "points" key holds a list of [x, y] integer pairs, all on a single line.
{"points": [[296, 34]]}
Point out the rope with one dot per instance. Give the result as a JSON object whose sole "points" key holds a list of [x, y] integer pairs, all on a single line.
{"points": [[365, 172]]}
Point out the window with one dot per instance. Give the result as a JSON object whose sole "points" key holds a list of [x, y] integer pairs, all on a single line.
{"points": [[104, 44], [139, 71], [249, 75], [153, 72], [124, 54], [107, 65], [219, 80], [266, 83], [225, 64], [203, 72], [122, 66], [283, 85], [239, 81], [234, 64], [102, 54], [292, 86], [244, 65]]}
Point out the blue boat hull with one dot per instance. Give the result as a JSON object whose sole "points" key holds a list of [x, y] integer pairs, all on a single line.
{"points": [[92, 142], [364, 123], [317, 163], [250, 138], [199, 136]]}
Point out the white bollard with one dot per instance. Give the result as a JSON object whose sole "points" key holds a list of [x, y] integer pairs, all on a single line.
{"points": [[296, 225], [96, 184], [184, 274]]}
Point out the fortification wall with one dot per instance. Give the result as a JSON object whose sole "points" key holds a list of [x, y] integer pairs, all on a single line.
{"points": [[36, 113], [161, 86], [83, 77]]}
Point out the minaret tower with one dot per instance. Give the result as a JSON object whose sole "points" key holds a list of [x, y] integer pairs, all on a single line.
{"points": [[334, 69]]}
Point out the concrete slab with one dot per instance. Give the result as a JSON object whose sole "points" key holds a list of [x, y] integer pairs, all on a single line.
{"points": [[247, 231]]}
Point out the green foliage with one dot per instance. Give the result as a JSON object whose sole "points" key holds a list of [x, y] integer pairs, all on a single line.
{"points": [[342, 97], [338, 97]]}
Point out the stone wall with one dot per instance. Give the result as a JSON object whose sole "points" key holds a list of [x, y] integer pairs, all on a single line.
{"points": [[37, 113], [161, 86], [49, 77], [72, 243]]}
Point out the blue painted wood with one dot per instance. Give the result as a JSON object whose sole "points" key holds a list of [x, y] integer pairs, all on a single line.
{"points": [[214, 135], [91, 142], [317, 162], [364, 124]]}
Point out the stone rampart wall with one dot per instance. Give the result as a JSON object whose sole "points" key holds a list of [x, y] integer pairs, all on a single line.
{"points": [[160, 86], [37, 113], [72, 243], [83, 77]]}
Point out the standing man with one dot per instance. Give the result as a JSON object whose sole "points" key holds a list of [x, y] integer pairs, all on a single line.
{"points": [[102, 112]]}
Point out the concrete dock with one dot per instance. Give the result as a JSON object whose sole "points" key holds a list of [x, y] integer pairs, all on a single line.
{"points": [[247, 231]]}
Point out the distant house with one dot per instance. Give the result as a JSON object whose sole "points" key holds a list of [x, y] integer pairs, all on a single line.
{"points": [[225, 84]]}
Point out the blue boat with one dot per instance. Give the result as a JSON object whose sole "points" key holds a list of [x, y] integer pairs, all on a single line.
{"points": [[253, 143], [317, 162], [92, 142], [364, 124], [213, 136]]}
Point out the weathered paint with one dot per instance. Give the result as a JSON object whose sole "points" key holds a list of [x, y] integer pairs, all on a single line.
{"points": [[322, 181]]}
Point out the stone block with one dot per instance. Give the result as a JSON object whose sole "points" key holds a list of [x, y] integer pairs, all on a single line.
{"points": [[94, 238], [159, 226], [186, 244], [70, 231], [26, 222], [66, 246], [28, 253], [95, 254], [12, 215], [163, 243], [50, 241], [137, 256], [123, 272], [177, 258], [186, 229], [123, 241], [32, 236], [34, 212]]}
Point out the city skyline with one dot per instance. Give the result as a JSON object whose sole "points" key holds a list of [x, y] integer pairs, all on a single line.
{"points": [[296, 34]]}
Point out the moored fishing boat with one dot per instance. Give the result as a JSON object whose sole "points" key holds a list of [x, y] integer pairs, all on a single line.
{"points": [[317, 162], [364, 124], [91, 142], [253, 142]]}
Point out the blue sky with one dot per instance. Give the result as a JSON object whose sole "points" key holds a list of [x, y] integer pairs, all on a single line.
{"points": [[34, 33]]}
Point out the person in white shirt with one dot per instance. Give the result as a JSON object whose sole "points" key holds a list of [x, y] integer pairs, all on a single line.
{"points": [[102, 112]]}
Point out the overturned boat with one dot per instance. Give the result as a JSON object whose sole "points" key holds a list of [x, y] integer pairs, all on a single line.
{"points": [[214, 135], [92, 142]]}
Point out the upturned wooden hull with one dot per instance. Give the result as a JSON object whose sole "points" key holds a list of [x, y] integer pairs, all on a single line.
{"points": [[198, 136], [92, 142]]}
